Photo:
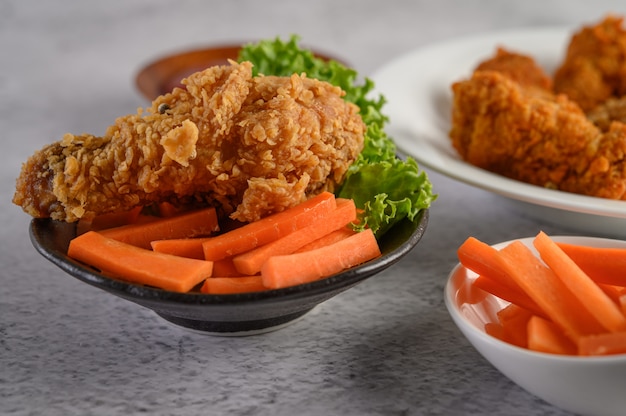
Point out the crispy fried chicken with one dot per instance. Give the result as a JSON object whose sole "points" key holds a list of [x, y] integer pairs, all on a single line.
{"points": [[594, 68], [250, 146], [523, 131]]}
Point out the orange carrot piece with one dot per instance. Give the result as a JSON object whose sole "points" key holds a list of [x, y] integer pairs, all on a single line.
{"points": [[138, 265], [593, 299], [190, 224], [611, 291], [117, 219], [330, 238], [603, 344], [251, 261], [482, 259], [270, 228], [547, 290], [514, 322], [231, 285], [104, 221], [167, 209], [622, 301], [546, 336], [602, 264], [512, 311], [495, 330], [225, 268], [516, 296], [184, 247], [308, 266]]}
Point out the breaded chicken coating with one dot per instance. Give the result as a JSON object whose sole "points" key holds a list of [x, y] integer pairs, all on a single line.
{"points": [[250, 146], [528, 135], [594, 68]]}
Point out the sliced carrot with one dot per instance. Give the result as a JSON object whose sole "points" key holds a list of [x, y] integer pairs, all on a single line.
{"points": [[185, 247], [516, 296], [330, 238], [225, 268], [602, 264], [512, 311], [191, 224], [146, 218], [545, 336], [591, 297], [308, 266], [495, 330], [514, 322], [268, 229], [547, 290], [622, 301], [104, 221], [231, 285], [603, 344], [482, 259], [138, 265], [167, 209], [612, 291], [251, 261]]}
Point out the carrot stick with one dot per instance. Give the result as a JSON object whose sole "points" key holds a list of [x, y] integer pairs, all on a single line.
{"points": [[269, 228], [545, 336], [512, 311], [225, 268], [231, 285], [167, 209], [184, 247], [514, 321], [547, 290], [621, 300], [251, 261], [104, 221], [293, 269], [495, 330], [602, 264], [191, 224], [592, 298], [482, 259], [603, 344], [611, 291], [138, 265], [518, 297], [330, 238]]}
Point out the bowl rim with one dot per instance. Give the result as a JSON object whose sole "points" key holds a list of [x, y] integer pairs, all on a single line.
{"points": [[343, 280], [465, 324], [165, 66]]}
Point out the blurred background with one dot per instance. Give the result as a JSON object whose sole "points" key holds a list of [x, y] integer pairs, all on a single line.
{"points": [[387, 347]]}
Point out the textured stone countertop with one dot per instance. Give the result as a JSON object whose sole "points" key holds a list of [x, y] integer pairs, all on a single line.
{"points": [[385, 347]]}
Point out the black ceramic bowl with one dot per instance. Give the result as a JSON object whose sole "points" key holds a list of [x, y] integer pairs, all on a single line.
{"points": [[238, 314]]}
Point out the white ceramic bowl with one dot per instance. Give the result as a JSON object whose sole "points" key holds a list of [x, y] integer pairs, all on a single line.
{"points": [[584, 385]]}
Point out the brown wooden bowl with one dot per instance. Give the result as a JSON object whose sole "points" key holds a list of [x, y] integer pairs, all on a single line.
{"points": [[164, 74]]}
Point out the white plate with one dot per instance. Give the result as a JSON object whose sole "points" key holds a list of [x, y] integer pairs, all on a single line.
{"points": [[419, 101]]}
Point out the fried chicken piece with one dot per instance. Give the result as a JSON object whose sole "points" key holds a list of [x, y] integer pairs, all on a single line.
{"points": [[613, 109], [522, 133], [250, 146], [594, 68], [519, 67]]}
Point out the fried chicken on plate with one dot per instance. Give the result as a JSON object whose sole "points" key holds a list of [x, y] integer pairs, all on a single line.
{"points": [[250, 146], [594, 68], [508, 122]]}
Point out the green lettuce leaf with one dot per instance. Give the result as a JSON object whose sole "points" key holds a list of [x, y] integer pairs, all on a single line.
{"points": [[386, 188]]}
